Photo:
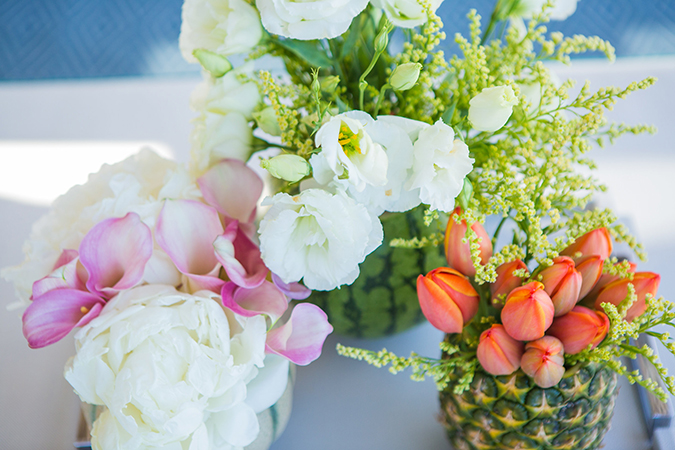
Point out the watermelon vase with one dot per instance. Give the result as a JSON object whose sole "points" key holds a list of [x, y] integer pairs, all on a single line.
{"points": [[383, 299], [511, 412], [272, 420]]}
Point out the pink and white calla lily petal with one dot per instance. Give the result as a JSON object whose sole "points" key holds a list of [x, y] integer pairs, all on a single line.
{"points": [[53, 315], [224, 179], [295, 291], [264, 299], [186, 230], [64, 276], [240, 257], [115, 252], [301, 338]]}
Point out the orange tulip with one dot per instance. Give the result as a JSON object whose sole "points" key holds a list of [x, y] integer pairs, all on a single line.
{"points": [[596, 242], [604, 280], [506, 281], [580, 328], [447, 299], [499, 353], [616, 291], [562, 283], [528, 312], [543, 361], [458, 253], [590, 268]]}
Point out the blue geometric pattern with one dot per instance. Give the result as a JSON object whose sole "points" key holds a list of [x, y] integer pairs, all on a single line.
{"points": [[46, 39]]}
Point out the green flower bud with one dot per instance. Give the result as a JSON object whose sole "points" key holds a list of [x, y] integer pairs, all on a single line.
{"points": [[217, 65], [267, 121], [286, 167], [382, 38], [405, 76], [329, 84]]}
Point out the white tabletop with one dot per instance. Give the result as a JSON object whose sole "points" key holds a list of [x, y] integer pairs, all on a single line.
{"points": [[339, 403]]}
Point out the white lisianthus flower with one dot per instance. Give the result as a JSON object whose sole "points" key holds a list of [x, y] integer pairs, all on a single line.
{"points": [[309, 19], [405, 13], [348, 152], [227, 94], [561, 9], [138, 184], [441, 163], [226, 27], [491, 109], [318, 237], [172, 370]]}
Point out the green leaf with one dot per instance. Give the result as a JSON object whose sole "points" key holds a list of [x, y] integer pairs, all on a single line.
{"points": [[354, 33], [465, 195], [447, 114], [306, 50], [217, 65]]}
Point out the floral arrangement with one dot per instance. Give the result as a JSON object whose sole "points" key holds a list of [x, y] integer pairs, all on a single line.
{"points": [[180, 281]]}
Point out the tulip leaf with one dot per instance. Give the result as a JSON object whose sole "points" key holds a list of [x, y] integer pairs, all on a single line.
{"points": [[217, 65], [306, 50]]}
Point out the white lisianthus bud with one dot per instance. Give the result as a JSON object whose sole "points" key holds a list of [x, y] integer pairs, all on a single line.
{"points": [[349, 153], [286, 167], [318, 237], [491, 109], [267, 121], [309, 19], [405, 13], [226, 27], [405, 76]]}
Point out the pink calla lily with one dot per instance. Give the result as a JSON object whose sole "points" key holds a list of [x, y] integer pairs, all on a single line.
{"points": [[225, 178], [186, 230], [264, 299], [64, 275], [295, 291], [240, 257], [54, 314], [301, 338], [115, 252]]}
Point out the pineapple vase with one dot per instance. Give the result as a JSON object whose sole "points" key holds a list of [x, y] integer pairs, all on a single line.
{"points": [[511, 412], [383, 299]]}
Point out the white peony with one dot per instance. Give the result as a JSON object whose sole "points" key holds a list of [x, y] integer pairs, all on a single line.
{"points": [[172, 370], [348, 152], [441, 163], [309, 19], [138, 184], [492, 107], [405, 13], [225, 27], [317, 236]]}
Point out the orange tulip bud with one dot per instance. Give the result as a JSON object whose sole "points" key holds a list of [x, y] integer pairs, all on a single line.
{"points": [[458, 253], [506, 281], [543, 361], [596, 242], [604, 280], [562, 283], [528, 312], [616, 291], [590, 268], [580, 328], [447, 299], [499, 353]]}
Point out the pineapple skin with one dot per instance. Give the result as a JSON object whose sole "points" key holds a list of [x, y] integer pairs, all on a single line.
{"points": [[511, 412]]}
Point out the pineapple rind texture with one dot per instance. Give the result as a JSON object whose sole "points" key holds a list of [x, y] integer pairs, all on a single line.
{"points": [[512, 413], [383, 299]]}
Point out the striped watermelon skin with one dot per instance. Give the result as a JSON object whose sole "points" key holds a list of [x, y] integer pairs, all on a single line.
{"points": [[383, 299]]}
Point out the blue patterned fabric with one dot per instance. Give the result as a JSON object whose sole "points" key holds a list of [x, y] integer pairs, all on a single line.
{"points": [[104, 38]]}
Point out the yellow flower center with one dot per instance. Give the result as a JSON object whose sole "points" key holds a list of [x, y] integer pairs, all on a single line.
{"points": [[349, 140]]}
